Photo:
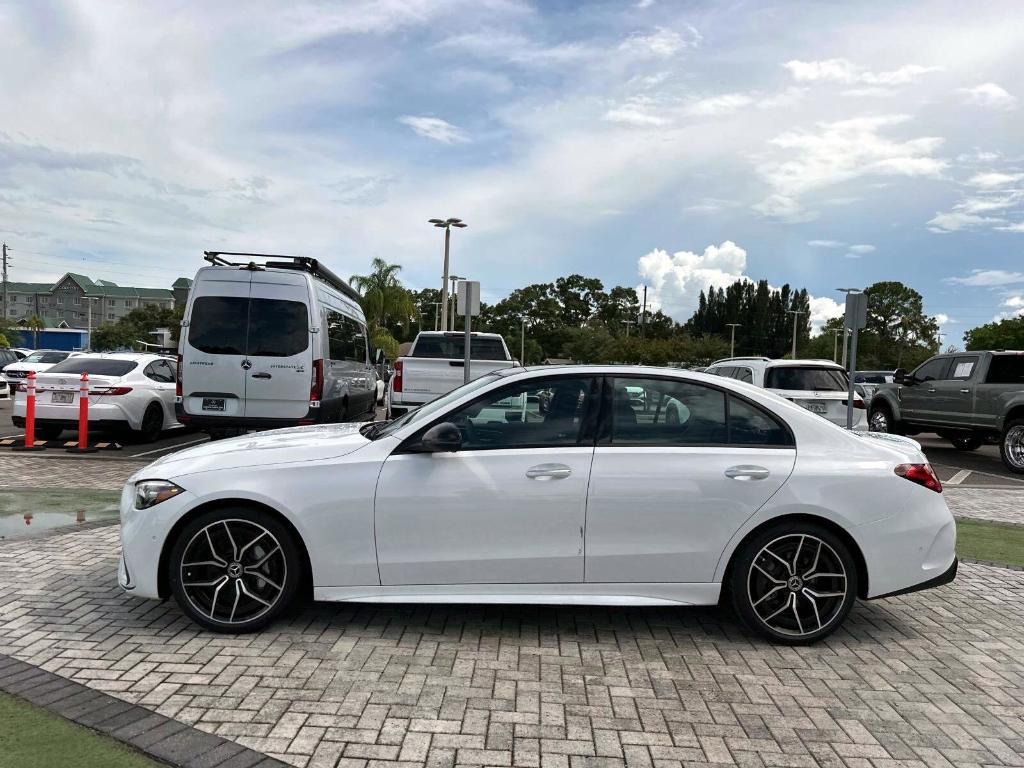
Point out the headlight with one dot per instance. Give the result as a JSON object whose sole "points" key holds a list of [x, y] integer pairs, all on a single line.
{"points": [[149, 493]]}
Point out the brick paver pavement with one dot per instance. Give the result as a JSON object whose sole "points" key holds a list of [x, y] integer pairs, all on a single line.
{"points": [[930, 679], [1001, 506]]}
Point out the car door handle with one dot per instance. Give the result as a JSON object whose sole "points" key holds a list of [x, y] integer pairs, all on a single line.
{"points": [[548, 471], [747, 472], [261, 376], [930, 390], [965, 391]]}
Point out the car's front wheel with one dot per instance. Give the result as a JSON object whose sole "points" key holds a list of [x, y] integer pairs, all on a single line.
{"points": [[1011, 447], [234, 569], [794, 583], [881, 420]]}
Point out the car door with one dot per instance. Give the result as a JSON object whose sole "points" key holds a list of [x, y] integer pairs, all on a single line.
{"points": [[161, 376], [670, 487], [955, 392], [509, 507], [919, 401]]}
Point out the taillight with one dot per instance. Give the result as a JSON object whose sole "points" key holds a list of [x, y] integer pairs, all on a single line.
{"points": [[858, 404], [316, 382], [110, 390], [922, 474], [396, 377], [177, 379]]}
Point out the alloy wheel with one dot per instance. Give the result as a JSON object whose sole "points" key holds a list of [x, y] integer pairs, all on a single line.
{"points": [[797, 585], [233, 571], [879, 421], [1013, 447]]}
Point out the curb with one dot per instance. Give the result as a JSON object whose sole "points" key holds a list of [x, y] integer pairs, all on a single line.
{"points": [[156, 736]]}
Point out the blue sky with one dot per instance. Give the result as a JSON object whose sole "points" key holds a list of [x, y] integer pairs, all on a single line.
{"points": [[672, 144]]}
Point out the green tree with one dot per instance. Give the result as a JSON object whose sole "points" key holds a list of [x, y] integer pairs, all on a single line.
{"points": [[386, 302], [34, 324], [135, 327], [4, 343], [1004, 334]]}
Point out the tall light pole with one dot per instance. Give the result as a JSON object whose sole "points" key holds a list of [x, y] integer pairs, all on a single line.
{"points": [[90, 299], [835, 342], [732, 338], [846, 335], [796, 314], [454, 279], [522, 343], [446, 225], [437, 315]]}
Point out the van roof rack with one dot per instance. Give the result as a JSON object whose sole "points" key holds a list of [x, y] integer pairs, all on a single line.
{"points": [[301, 263]]}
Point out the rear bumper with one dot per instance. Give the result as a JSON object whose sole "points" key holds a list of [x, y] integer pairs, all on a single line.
{"points": [[936, 581], [66, 416], [204, 421], [72, 424]]}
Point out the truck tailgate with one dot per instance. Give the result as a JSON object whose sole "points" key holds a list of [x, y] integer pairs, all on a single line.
{"points": [[424, 379]]}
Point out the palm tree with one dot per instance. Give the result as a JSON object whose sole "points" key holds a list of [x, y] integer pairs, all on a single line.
{"points": [[34, 324], [386, 302]]}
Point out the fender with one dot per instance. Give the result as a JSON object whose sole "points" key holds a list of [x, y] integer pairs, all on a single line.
{"points": [[1012, 410], [889, 397]]}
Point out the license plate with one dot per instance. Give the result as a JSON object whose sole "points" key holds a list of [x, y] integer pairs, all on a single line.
{"points": [[65, 398], [213, 403], [821, 408]]}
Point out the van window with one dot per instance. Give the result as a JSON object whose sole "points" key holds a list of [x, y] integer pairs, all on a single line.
{"points": [[235, 325], [218, 324], [346, 338], [277, 328], [806, 379], [454, 348]]}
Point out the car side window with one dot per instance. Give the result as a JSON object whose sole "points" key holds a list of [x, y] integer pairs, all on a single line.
{"points": [[1006, 369], [749, 425], [745, 374], [346, 338], [932, 370], [666, 412], [160, 371], [538, 413], [963, 367]]}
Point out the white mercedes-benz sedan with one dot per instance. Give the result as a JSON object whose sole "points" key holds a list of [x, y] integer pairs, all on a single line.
{"points": [[600, 498]]}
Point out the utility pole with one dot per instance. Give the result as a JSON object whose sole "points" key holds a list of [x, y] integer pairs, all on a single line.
{"points": [[643, 316], [732, 338], [446, 225], [5, 280], [628, 323], [522, 343], [90, 300], [938, 338], [437, 315], [796, 315], [835, 343], [454, 279]]}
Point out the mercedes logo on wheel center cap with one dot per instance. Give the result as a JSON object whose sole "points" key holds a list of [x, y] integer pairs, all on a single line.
{"points": [[795, 583], [235, 570], [247, 364]]}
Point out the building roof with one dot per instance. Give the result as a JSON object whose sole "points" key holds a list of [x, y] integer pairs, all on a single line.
{"points": [[97, 288], [28, 287]]}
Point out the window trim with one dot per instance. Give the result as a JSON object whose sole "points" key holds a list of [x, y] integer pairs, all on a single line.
{"points": [[588, 422], [946, 362], [604, 429]]}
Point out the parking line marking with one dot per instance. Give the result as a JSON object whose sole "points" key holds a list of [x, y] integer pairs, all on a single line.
{"points": [[172, 447], [959, 477]]}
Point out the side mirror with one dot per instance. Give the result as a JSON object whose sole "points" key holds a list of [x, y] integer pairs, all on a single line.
{"points": [[900, 377], [442, 438]]}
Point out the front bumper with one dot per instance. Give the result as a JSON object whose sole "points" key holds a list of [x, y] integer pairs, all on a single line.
{"points": [[143, 533]]}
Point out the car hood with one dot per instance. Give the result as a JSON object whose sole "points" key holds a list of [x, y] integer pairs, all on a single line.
{"points": [[278, 446]]}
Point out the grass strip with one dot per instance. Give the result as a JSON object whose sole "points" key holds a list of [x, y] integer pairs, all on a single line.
{"points": [[993, 542]]}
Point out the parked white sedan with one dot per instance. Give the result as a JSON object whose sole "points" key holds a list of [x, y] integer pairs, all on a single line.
{"points": [[128, 393], [480, 496]]}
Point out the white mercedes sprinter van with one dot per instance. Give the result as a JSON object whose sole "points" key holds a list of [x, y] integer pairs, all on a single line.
{"points": [[269, 344]]}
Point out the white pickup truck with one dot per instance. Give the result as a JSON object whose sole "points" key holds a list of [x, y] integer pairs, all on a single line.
{"points": [[435, 366]]}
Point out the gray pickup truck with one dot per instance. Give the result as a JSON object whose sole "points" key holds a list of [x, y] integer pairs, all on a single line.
{"points": [[969, 398]]}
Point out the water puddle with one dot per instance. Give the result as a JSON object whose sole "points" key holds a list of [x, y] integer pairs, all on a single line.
{"points": [[34, 511]]}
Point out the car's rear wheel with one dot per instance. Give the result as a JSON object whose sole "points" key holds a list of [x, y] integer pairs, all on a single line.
{"points": [[234, 569], [965, 443], [152, 424], [1011, 447], [793, 583]]}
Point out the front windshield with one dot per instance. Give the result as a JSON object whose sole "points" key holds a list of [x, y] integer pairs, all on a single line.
{"points": [[424, 411]]}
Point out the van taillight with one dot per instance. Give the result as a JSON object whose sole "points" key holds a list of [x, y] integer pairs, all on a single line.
{"points": [[396, 377], [316, 383], [177, 379]]}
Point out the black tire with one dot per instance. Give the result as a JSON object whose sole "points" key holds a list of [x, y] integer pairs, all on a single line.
{"points": [[880, 419], [965, 443], [281, 571], [753, 572], [152, 425], [1011, 446], [47, 433]]}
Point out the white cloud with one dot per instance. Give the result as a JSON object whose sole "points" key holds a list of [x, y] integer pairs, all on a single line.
{"points": [[954, 221], [862, 249], [994, 179], [675, 281], [988, 278], [724, 104], [852, 251], [825, 243], [846, 72], [662, 43], [941, 318], [990, 95], [634, 115], [831, 153], [1018, 227], [435, 128]]}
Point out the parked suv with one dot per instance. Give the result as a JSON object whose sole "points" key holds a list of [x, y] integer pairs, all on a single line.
{"points": [[820, 386], [966, 397]]}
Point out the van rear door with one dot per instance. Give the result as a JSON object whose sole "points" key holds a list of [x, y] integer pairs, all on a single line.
{"points": [[280, 347], [213, 349]]}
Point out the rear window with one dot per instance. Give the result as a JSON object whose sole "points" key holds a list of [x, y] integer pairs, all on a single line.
{"points": [[46, 357], [806, 379], [235, 325], [1006, 369], [95, 366], [454, 347]]}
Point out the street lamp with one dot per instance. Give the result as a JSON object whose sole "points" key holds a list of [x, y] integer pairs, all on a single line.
{"points": [[446, 225], [454, 302], [732, 338], [90, 299], [846, 335], [796, 314]]}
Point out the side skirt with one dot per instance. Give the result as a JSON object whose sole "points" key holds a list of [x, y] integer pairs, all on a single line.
{"points": [[540, 594]]}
